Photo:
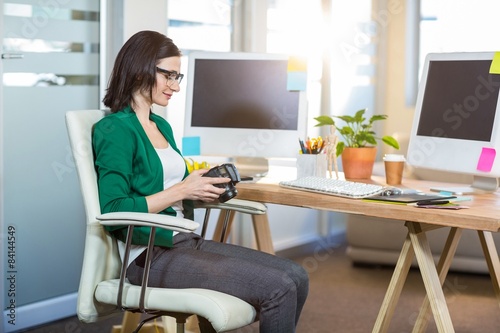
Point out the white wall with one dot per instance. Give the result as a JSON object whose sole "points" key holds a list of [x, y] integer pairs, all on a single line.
{"points": [[137, 17], [140, 15]]}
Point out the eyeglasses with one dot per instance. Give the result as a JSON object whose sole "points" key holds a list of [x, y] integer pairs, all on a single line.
{"points": [[170, 76]]}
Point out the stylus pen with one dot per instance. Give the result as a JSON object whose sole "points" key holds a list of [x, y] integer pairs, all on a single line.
{"points": [[432, 202]]}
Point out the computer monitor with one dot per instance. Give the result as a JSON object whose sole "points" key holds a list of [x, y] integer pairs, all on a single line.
{"points": [[456, 125], [240, 107]]}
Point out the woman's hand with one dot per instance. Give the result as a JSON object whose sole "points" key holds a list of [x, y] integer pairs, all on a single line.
{"points": [[194, 187], [201, 188]]}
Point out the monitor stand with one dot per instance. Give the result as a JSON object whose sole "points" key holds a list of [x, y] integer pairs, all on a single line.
{"points": [[479, 185], [251, 166]]}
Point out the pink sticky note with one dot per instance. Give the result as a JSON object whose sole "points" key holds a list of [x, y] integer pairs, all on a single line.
{"points": [[486, 159]]}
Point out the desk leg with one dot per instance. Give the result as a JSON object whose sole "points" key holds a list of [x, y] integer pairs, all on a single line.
{"points": [[447, 255], [260, 226], [491, 256], [395, 286], [220, 225], [263, 233], [430, 277]]}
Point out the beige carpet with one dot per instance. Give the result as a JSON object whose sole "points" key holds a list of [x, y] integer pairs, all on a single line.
{"points": [[346, 298]]}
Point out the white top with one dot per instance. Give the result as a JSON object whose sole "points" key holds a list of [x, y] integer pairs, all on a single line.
{"points": [[173, 170]]}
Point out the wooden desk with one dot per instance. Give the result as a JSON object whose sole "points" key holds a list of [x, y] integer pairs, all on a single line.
{"points": [[483, 216]]}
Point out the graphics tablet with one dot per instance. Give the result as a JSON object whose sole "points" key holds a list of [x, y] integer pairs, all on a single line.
{"points": [[410, 198]]}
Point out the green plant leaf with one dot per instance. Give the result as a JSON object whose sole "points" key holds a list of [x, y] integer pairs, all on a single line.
{"points": [[357, 130], [378, 117], [346, 130], [371, 140], [347, 119], [340, 148], [359, 116], [389, 140], [324, 120]]}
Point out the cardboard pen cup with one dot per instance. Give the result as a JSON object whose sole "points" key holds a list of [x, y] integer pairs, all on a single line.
{"points": [[311, 165], [394, 167]]}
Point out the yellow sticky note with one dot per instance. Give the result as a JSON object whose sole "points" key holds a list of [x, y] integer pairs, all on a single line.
{"points": [[296, 64], [495, 64]]}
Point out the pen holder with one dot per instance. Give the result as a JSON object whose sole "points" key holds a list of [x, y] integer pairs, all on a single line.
{"points": [[311, 165]]}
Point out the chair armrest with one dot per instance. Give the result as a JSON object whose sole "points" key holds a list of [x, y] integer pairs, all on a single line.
{"points": [[133, 219], [243, 206], [148, 220]]}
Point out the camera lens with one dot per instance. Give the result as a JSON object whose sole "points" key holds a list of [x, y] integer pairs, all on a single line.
{"points": [[229, 171], [230, 193]]}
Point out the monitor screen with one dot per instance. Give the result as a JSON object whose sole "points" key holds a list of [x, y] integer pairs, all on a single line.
{"points": [[456, 119], [239, 105], [247, 94]]}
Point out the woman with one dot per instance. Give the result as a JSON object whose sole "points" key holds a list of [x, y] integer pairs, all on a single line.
{"points": [[140, 169]]}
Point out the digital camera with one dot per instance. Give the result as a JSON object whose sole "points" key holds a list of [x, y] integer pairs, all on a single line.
{"points": [[225, 170]]}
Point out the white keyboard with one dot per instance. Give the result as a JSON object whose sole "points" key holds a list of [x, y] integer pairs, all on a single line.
{"points": [[341, 188]]}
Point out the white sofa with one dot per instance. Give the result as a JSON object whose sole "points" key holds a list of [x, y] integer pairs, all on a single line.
{"points": [[379, 241]]}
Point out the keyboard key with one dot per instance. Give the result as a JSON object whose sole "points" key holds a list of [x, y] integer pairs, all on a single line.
{"points": [[336, 187]]}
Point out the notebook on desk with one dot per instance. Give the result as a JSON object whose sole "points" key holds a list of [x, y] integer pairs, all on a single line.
{"points": [[410, 197]]}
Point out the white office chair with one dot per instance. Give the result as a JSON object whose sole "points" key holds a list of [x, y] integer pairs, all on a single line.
{"points": [[104, 290]]}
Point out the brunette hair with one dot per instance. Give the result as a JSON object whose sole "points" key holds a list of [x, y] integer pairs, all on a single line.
{"points": [[135, 67]]}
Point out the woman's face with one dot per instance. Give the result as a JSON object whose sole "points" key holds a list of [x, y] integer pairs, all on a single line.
{"points": [[164, 88]]}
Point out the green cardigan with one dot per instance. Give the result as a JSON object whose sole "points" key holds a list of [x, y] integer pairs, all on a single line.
{"points": [[129, 169]]}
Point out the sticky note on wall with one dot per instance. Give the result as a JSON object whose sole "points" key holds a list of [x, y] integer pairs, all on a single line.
{"points": [[191, 146], [297, 64], [495, 64], [486, 159], [297, 74]]}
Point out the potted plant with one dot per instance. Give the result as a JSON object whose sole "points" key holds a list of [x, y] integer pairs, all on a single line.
{"points": [[358, 150]]}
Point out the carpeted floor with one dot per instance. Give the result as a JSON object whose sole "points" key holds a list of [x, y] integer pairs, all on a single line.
{"points": [[346, 298]]}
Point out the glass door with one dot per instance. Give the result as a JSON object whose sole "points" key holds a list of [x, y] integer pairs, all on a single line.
{"points": [[49, 65]]}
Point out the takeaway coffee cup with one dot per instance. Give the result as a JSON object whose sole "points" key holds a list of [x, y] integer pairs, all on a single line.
{"points": [[394, 166]]}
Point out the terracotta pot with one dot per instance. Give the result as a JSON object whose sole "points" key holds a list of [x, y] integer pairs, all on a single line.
{"points": [[357, 163]]}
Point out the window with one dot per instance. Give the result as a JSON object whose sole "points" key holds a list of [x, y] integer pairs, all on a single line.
{"points": [[298, 30], [344, 35], [200, 24], [458, 26], [353, 48], [196, 25], [34, 41], [447, 26]]}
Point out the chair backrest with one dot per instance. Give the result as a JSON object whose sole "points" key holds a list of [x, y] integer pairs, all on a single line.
{"points": [[101, 260]]}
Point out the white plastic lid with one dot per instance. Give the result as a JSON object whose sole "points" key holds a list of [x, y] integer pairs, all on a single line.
{"points": [[394, 157]]}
